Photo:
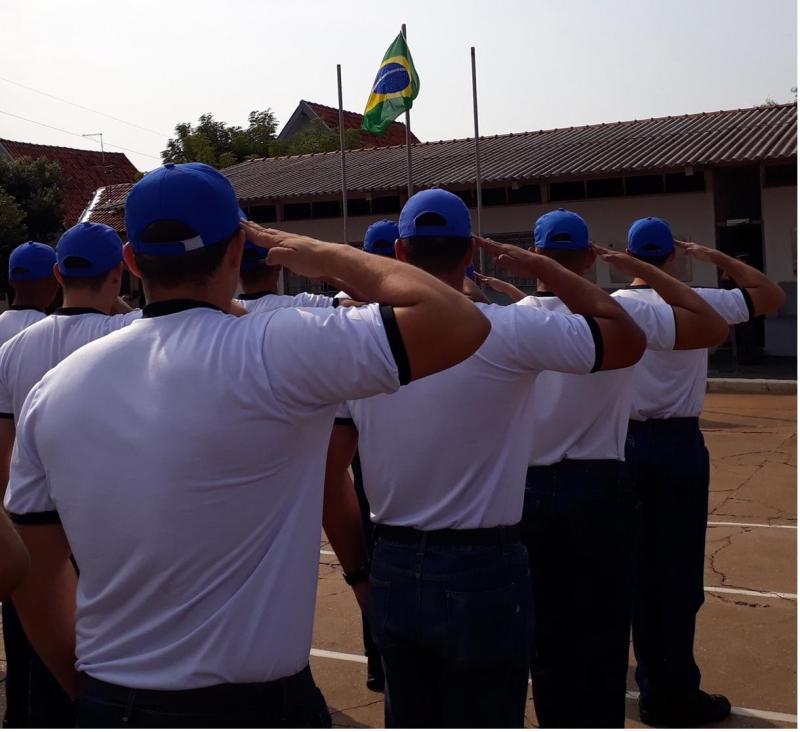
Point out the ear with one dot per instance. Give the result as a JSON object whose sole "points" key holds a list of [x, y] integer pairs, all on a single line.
{"points": [[57, 275], [235, 250], [591, 257], [400, 251], [469, 255], [671, 255], [129, 257]]}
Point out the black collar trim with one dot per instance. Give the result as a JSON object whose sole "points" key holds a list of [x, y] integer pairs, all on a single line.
{"points": [[256, 295], [168, 307], [637, 287], [25, 307], [78, 311], [545, 293]]}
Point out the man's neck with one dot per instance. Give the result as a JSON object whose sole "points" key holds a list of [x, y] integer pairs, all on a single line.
{"points": [[90, 300], [454, 279], [638, 282], [212, 296]]}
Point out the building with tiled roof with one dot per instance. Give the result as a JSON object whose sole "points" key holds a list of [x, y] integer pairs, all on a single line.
{"points": [[84, 171], [727, 179], [308, 112]]}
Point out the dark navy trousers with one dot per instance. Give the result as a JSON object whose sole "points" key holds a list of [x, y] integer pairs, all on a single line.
{"points": [[453, 623], [670, 467], [579, 528]]}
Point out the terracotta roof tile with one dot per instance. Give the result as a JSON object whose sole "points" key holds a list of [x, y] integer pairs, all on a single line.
{"points": [[395, 135], [83, 171]]}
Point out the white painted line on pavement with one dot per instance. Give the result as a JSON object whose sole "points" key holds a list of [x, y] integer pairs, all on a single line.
{"points": [[751, 593], [752, 526], [736, 711]]}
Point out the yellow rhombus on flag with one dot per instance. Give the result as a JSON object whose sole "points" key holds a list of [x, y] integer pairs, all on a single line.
{"points": [[395, 88]]}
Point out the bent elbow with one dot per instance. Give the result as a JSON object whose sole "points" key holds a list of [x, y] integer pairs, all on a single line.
{"points": [[17, 565]]}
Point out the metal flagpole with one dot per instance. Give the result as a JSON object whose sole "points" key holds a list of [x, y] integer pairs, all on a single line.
{"points": [[479, 197], [408, 134], [341, 145]]}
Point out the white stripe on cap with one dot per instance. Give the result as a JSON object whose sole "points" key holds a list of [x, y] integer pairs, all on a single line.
{"points": [[189, 245]]}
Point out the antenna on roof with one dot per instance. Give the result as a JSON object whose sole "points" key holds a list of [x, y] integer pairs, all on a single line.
{"points": [[102, 153]]}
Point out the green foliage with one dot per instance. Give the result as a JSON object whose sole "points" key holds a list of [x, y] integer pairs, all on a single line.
{"points": [[315, 138], [216, 143], [30, 205]]}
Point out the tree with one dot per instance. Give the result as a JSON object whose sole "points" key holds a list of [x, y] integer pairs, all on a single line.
{"points": [[219, 144], [31, 196], [315, 138]]}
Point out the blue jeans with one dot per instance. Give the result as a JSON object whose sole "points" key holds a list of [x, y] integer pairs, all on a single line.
{"points": [[669, 464], [453, 623], [33, 696], [294, 702], [578, 524]]}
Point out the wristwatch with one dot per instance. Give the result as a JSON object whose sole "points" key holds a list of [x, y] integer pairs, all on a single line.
{"points": [[357, 576]]}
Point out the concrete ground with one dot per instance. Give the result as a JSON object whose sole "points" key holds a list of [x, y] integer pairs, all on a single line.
{"points": [[747, 631]]}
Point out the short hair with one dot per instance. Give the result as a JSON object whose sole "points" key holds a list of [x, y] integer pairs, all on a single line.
{"points": [[173, 270], [72, 281], [571, 259], [658, 261]]}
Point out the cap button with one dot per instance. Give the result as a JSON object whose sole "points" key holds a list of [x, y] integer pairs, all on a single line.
{"points": [[169, 165]]}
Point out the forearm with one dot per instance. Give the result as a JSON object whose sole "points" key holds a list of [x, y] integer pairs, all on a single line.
{"points": [[14, 560], [766, 296], [673, 291], [46, 606], [577, 293], [341, 520]]}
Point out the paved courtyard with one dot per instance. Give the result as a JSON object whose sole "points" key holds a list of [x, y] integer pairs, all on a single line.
{"points": [[746, 641]]}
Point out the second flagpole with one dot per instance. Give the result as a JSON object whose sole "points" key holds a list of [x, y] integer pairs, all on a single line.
{"points": [[408, 135], [345, 239], [479, 197]]}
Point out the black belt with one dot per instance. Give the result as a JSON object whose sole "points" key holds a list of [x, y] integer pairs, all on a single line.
{"points": [[483, 537], [671, 424], [204, 699]]}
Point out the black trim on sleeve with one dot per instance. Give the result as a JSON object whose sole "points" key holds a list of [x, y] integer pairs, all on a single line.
{"points": [[597, 336], [675, 325], [637, 287], [748, 300], [335, 302], [36, 518], [6, 415], [545, 293], [396, 343], [344, 421]]}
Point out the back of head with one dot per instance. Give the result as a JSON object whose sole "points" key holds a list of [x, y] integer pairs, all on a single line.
{"points": [[30, 273], [380, 238], [436, 231], [88, 255], [650, 239], [180, 220], [563, 236]]}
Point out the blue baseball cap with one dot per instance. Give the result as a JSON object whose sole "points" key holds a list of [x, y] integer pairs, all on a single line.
{"points": [[650, 237], [380, 238], [98, 245], [434, 213], [253, 255], [561, 229], [31, 261], [193, 194]]}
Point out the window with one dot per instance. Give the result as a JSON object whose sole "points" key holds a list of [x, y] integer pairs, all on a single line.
{"points": [[494, 196], [262, 214], [682, 183], [780, 175], [525, 194], [604, 187], [358, 207], [386, 205], [644, 185], [567, 191], [468, 197], [326, 209], [296, 211]]}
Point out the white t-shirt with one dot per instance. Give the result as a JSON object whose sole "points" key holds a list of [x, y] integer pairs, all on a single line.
{"points": [[449, 450], [185, 457], [586, 417], [28, 356], [674, 384], [14, 321], [265, 302]]}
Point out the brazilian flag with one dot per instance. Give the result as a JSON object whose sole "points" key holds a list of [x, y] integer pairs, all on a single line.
{"points": [[395, 88]]}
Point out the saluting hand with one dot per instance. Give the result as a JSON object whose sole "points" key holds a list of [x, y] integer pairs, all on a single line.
{"points": [[623, 262], [514, 259], [301, 254], [501, 286], [698, 251]]}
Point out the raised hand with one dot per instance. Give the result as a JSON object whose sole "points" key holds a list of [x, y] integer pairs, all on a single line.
{"points": [[511, 258], [499, 285], [301, 254], [698, 251], [623, 262]]}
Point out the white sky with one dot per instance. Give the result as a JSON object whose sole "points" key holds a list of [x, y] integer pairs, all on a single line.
{"points": [[541, 63]]}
